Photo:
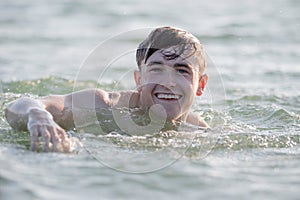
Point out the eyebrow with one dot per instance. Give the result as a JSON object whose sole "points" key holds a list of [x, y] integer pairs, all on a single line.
{"points": [[175, 65]]}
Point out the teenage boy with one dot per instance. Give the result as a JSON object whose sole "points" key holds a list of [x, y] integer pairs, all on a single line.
{"points": [[171, 64]]}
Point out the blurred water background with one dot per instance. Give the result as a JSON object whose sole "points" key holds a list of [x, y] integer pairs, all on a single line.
{"points": [[253, 48]]}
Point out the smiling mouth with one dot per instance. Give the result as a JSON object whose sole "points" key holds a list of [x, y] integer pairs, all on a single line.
{"points": [[167, 96]]}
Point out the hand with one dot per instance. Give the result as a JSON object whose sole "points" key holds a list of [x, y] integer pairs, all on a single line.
{"points": [[41, 124]]}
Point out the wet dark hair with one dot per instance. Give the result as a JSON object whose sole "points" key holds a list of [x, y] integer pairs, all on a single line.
{"points": [[165, 37]]}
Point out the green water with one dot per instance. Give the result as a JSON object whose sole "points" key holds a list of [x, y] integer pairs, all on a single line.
{"points": [[251, 101]]}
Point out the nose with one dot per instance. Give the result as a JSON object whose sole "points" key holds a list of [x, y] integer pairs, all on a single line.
{"points": [[169, 79]]}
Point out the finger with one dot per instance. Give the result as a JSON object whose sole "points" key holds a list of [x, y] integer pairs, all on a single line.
{"points": [[46, 138], [34, 134], [62, 134], [65, 142], [55, 140]]}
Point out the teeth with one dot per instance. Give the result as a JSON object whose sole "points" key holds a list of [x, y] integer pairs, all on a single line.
{"points": [[168, 96]]}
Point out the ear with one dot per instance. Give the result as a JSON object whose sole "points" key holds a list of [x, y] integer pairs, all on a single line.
{"points": [[137, 77], [202, 83]]}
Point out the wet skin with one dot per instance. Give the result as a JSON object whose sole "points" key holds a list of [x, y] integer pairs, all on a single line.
{"points": [[172, 83]]}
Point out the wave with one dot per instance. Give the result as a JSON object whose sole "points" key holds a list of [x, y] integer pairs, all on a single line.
{"points": [[250, 121], [197, 144], [266, 112]]}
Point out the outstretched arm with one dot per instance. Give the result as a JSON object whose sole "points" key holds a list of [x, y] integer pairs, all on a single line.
{"points": [[46, 117], [31, 114]]}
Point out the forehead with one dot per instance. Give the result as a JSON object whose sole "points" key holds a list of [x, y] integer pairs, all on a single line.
{"points": [[176, 54]]}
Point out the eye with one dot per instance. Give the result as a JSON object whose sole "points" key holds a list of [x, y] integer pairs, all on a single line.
{"points": [[155, 69], [182, 71]]}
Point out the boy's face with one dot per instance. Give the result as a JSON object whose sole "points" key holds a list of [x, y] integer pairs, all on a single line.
{"points": [[172, 83]]}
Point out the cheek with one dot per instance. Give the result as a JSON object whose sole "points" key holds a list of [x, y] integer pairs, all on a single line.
{"points": [[144, 78], [187, 84], [195, 84]]}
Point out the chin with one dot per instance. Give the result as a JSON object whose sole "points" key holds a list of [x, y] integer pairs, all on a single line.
{"points": [[165, 114]]}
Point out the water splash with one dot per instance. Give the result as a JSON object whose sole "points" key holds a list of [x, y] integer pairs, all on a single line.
{"points": [[250, 122]]}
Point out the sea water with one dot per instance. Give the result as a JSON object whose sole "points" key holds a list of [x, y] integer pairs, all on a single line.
{"points": [[251, 100]]}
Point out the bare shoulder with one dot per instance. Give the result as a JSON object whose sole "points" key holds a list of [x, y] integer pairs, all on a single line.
{"points": [[196, 119], [90, 99], [129, 98]]}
